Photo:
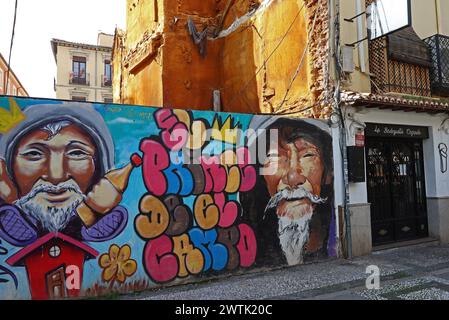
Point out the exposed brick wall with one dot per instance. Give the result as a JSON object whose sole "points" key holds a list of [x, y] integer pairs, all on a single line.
{"points": [[236, 65]]}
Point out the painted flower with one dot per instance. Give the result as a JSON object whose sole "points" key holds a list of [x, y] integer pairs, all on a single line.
{"points": [[117, 264]]}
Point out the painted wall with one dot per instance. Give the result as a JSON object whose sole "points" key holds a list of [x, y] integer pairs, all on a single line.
{"points": [[437, 182], [99, 198]]}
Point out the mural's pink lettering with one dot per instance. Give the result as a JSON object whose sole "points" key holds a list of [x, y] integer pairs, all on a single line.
{"points": [[155, 160], [215, 174], [248, 171], [247, 246], [229, 210], [159, 261], [175, 133]]}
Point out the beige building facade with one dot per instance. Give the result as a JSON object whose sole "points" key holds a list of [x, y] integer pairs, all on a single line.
{"points": [[394, 98], [84, 71], [13, 87]]}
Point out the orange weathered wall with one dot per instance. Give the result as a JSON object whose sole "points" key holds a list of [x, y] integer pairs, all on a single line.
{"points": [[261, 59], [252, 67], [188, 79]]}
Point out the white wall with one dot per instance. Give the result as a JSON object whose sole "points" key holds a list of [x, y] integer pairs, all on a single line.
{"points": [[437, 183]]}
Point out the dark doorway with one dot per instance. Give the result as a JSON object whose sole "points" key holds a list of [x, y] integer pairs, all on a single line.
{"points": [[56, 284], [396, 189]]}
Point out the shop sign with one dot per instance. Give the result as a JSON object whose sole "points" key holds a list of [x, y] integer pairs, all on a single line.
{"points": [[396, 131]]}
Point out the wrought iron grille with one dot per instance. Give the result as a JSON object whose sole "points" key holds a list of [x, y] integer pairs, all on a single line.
{"points": [[389, 75], [396, 189], [439, 48]]}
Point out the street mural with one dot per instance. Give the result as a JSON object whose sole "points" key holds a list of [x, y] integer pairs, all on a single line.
{"points": [[98, 199]]}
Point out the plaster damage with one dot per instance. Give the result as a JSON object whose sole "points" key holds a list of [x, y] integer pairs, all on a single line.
{"points": [[253, 50]]}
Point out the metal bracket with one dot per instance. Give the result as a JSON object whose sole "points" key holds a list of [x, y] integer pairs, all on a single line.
{"points": [[352, 19], [357, 42]]}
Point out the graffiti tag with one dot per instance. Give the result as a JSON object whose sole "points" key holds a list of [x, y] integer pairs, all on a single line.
{"points": [[206, 236]]}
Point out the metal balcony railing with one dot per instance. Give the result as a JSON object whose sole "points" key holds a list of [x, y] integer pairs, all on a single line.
{"points": [[105, 81], [439, 71], [80, 78]]}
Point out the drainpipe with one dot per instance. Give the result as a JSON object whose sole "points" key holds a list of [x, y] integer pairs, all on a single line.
{"points": [[342, 129], [437, 14]]}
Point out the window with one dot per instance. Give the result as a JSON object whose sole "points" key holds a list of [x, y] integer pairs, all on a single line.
{"points": [[107, 79], [14, 90], [108, 100], [79, 99], [55, 251], [78, 70]]}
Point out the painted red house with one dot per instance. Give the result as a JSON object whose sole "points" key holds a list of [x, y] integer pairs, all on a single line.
{"points": [[46, 262]]}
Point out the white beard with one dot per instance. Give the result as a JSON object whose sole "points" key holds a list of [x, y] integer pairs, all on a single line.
{"points": [[52, 218], [293, 235]]}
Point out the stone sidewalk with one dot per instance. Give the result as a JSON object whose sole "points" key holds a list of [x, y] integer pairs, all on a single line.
{"points": [[410, 273]]}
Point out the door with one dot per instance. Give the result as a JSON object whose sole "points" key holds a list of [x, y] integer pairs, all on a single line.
{"points": [[56, 284], [396, 190]]}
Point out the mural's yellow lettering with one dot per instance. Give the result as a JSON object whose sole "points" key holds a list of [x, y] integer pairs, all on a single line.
{"points": [[191, 260], [207, 214], [154, 218]]}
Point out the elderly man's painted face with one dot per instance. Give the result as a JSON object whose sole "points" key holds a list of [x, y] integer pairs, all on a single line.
{"points": [[296, 165], [68, 157]]}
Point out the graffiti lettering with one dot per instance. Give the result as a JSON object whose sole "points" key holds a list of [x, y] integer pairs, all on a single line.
{"points": [[155, 161], [174, 134], [216, 241], [191, 260], [180, 216], [165, 173], [215, 254], [207, 214], [230, 238], [247, 246], [154, 218]]}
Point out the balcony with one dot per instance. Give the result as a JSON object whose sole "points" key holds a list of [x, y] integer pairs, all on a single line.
{"points": [[105, 81], [400, 63], [439, 71], [79, 79]]}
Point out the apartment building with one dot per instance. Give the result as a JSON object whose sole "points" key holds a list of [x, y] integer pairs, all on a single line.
{"points": [[84, 71], [394, 96], [13, 87]]}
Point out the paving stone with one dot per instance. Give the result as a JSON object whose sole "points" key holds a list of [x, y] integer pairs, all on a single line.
{"points": [[406, 273]]}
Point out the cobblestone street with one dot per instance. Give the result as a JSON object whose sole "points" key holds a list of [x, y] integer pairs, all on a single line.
{"points": [[408, 273]]}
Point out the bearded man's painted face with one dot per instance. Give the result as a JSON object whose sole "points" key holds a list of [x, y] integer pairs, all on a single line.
{"points": [[297, 166], [53, 173]]}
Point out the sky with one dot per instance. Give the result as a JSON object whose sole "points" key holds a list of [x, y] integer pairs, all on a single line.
{"points": [[38, 21]]}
